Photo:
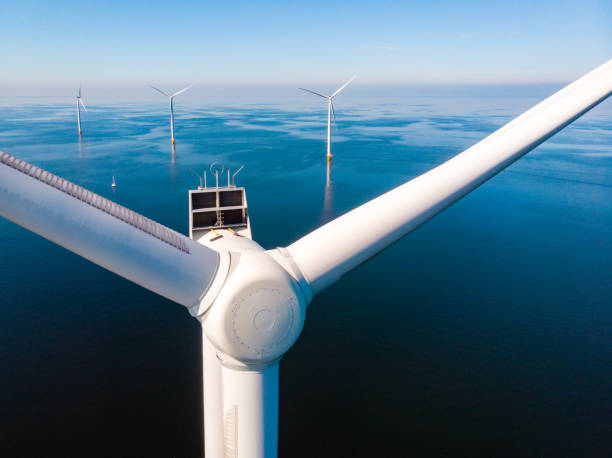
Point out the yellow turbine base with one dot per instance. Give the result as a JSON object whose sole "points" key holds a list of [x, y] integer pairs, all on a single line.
{"points": [[173, 141]]}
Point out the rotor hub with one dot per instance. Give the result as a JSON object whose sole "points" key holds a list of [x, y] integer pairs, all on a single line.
{"points": [[259, 314]]}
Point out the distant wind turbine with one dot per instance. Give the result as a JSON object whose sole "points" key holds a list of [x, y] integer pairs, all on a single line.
{"points": [[79, 103], [330, 112], [171, 97]]}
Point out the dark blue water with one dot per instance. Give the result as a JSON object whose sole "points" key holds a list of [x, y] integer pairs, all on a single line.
{"points": [[487, 332]]}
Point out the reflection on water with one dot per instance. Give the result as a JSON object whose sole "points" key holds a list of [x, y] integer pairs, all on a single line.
{"points": [[492, 318], [327, 212], [80, 145]]}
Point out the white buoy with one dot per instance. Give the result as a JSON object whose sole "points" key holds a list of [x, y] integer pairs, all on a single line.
{"points": [[113, 184]]}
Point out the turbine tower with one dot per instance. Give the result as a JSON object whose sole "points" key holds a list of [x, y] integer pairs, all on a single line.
{"points": [[252, 302], [171, 97], [79, 103], [330, 112]]}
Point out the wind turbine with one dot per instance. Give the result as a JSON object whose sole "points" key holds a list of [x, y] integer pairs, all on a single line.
{"points": [[252, 302], [330, 111], [171, 97], [79, 103]]}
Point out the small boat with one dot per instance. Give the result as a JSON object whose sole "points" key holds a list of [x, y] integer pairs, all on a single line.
{"points": [[113, 184]]}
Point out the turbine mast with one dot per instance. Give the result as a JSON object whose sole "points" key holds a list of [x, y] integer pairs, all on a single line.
{"points": [[172, 118], [79, 116], [213, 400], [250, 416], [329, 155], [79, 104]]}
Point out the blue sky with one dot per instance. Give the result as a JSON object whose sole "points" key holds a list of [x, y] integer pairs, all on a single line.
{"points": [[128, 42]]}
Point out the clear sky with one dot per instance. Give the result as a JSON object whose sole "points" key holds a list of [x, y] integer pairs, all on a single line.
{"points": [[237, 42]]}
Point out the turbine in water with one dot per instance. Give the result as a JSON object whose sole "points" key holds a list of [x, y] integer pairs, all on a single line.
{"points": [[330, 112], [171, 97]]}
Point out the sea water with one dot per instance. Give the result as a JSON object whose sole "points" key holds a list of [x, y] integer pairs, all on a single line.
{"points": [[486, 332]]}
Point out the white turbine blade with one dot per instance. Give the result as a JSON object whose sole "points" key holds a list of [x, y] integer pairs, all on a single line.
{"points": [[105, 233], [313, 92], [341, 245], [79, 96], [343, 86], [181, 91], [82, 104], [159, 90]]}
